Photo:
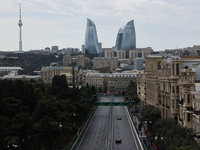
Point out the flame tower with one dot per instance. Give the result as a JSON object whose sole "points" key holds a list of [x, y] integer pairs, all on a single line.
{"points": [[20, 31]]}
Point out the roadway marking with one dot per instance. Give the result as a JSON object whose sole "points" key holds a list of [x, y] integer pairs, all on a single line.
{"points": [[132, 127]]}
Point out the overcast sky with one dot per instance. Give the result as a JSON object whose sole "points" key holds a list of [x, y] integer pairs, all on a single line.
{"points": [[160, 24]]}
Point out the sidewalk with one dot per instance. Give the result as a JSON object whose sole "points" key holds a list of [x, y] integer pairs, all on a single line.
{"points": [[135, 118]]}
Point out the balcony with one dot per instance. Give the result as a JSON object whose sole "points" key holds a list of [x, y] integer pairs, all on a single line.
{"points": [[189, 109], [196, 112]]}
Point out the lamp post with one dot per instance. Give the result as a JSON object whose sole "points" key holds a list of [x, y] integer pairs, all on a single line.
{"points": [[158, 138], [60, 135]]}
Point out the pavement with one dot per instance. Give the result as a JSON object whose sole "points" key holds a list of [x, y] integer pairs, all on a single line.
{"points": [[135, 118]]}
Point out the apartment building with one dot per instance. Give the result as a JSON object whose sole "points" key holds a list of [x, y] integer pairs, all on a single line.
{"points": [[110, 83], [47, 73], [100, 62], [172, 85]]}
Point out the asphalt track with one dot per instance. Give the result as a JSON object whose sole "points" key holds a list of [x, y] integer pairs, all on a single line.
{"points": [[96, 135]]}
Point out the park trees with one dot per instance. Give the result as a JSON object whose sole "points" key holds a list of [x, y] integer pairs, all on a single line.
{"points": [[174, 137], [132, 92], [33, 118]]}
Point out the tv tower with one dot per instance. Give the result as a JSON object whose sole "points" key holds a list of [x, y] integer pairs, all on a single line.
{"points": [[20, 31]]}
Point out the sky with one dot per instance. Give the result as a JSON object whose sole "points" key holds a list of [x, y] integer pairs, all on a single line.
{"points": [[160, 24]]}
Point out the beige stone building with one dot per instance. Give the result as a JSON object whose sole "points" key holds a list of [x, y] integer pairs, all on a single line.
{"points": [[121, 54], [152, 72], [141, 86], [110, 83], [126, 61], [99, 62], [67, 60], [172, 85], [140, 52], [47, 73], [80, 60], [98, 80], [196, 113], [109, 53], [118, 82]]}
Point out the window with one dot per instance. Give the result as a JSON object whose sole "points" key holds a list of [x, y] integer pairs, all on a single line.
{"points": [[188, 98], [177, 69], [177, 103], [173, 89], [139, 54], [173, 103], [188, 117], [172, 69], [177, 89], [159, 65]]}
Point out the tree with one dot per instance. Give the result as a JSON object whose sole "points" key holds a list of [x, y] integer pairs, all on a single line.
{"points": [[132, 92], [174, 136], [151, 114], [38, 94], [59, 83]]}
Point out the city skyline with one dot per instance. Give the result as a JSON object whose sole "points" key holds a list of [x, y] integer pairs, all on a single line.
{"points": [[159, 24]]}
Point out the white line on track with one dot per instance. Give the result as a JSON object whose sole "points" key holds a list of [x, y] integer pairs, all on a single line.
{"points": [[132, 127]]}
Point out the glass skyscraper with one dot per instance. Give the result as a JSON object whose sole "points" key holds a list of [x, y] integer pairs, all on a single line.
{"points": [[126, 38], [91, 40], [119, 39]]}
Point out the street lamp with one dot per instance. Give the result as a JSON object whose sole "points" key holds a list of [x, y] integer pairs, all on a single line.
{"points": [[60, 135], [157, 137]]}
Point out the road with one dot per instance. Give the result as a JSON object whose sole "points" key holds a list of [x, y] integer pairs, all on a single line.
{"points": [[123, 130], [96, 135]]}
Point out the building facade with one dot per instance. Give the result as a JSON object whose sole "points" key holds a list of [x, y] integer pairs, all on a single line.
{"points": [[100, 62], [118, 82], [138, 63], [110, 83], [47, 73], [140, 52], [173, 85], [67, 60], [121, 54], [109, 53]]}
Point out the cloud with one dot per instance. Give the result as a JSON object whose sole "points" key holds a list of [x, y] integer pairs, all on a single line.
{"points": [[154, 19]]}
